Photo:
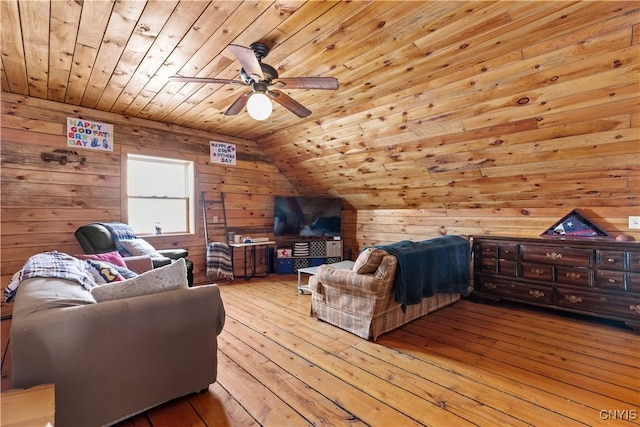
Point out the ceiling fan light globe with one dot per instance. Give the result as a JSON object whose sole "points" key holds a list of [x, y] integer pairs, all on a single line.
{"points": [[259, 106]]}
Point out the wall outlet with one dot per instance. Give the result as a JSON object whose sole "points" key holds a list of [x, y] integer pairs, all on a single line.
{"points": [[634, 222]]}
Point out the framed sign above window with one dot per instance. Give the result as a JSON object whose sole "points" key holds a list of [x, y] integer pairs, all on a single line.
{"points": [[222, 153]]}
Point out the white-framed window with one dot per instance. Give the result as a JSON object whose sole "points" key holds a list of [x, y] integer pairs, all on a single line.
{"points": [[160, 195]]}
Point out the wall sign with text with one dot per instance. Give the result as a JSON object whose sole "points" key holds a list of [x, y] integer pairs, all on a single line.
{"points": [[91, 135], [222, 153]]}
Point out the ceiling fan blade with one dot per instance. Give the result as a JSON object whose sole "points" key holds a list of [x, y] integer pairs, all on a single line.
{"points": [[289, 103], [248, 60], [205, 80], [329, 83], [238, 104]]}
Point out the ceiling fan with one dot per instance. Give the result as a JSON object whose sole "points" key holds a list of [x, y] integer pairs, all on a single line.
{"points": [[260, 77]]}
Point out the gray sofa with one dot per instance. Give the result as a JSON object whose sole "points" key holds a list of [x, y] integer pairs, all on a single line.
{"points": [[110, 360]]}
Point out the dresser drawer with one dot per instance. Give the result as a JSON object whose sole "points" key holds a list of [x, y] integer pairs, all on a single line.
{"points": [[556, 255], [506, 288], [508, 251], [633, 282], [507, 267], [574, 276], [610, 280], [488, 249], [537, 272], [598, 303], [488, 265], [634, 261], [611, 260]]}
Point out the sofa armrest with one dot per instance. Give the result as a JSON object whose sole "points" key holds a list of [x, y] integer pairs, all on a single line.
{"points": [[116, 358], [139, 264], [173, 253], [159, 262]]}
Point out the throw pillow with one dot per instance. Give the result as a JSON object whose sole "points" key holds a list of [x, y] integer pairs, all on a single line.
{"points": [[126, 272], [111, 257], [104, 272], [368, 261], [162, 279], [139, 246]]}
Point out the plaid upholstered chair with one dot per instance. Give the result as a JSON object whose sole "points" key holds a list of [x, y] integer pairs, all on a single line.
{"points": [[362, 300]]}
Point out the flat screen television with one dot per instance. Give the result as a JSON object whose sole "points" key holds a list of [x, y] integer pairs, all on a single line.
{"points": [[307, 216]]}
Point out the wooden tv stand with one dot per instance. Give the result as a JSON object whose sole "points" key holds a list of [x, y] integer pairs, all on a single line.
{"points": [[594, 277]]}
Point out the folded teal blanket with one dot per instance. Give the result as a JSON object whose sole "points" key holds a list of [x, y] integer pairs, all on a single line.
{"points": [[430, 267]]}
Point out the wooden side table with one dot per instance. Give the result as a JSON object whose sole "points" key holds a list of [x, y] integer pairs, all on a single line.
{"points": [[33, 406]]}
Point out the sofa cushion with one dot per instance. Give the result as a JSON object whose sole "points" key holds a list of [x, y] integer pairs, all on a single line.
{"points": [[44, 293], [136, 247], [368, 260], [166, 278]]}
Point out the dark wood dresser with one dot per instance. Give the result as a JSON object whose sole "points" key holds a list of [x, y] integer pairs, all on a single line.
{"points": [[594, 277]]}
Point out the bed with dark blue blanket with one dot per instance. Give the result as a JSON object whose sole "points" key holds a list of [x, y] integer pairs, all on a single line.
{"points": [[429, 267]]}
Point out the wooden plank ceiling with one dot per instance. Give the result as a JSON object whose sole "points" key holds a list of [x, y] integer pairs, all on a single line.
{"points": [[441, 104]]}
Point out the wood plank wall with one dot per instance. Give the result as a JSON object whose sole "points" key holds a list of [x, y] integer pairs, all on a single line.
{"points": [[387, 225], [44, 203]]}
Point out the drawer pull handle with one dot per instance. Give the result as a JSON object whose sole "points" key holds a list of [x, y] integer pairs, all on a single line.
{"points": [[553, 255], [506, 251], [611, 260], [490, 286], [612, 280], [573, 275], [536, 293], [573, 299], [635, 308], [537, 271]]}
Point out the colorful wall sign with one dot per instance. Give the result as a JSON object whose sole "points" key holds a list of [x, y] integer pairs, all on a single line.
{"points": [[222, 153], [91, 135]]}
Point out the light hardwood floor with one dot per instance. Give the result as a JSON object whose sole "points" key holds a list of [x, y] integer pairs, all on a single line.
{"points": [[467, 364]]}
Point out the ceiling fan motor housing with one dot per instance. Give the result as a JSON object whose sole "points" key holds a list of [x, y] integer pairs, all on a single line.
{"points": [[261, 50], [269, 72]]}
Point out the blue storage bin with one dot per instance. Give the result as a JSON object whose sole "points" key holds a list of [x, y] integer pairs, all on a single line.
{"points": [[314, 262], [285, 266]]}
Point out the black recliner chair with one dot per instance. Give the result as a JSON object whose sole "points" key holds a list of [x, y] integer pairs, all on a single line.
{"points": [[96, 238]]}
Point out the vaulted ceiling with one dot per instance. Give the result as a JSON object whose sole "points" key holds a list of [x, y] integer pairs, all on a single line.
{"points": [[441, 103]]}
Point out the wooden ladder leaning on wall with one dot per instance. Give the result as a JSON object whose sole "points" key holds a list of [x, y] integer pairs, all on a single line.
{"points": [[215, 224]]}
